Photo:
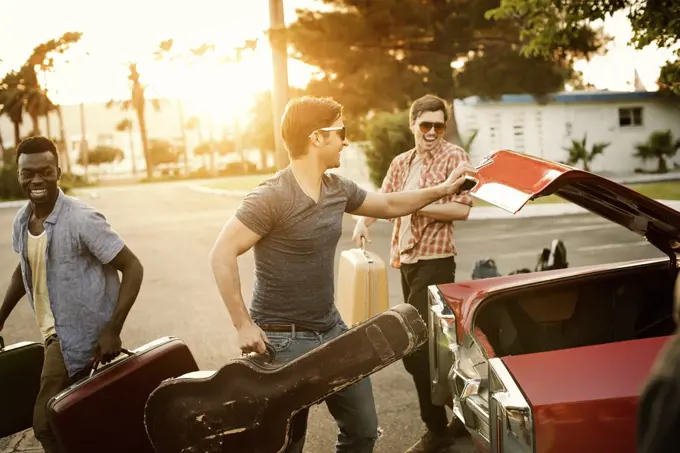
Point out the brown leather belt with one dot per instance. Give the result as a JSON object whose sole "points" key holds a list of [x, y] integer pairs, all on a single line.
{"points": [[284, 328]]}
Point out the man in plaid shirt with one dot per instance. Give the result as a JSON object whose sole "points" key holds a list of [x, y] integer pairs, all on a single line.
{"points": [[422, 243]]}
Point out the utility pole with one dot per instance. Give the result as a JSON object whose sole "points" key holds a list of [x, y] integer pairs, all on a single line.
{"points": [[280, 65]]}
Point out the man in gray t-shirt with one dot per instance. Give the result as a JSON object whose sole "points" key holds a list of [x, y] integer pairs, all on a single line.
{"points": [[293, 222]]}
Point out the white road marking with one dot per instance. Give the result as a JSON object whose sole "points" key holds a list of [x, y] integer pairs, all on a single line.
{"points": [[586, 249], [543, 232], [595, 248]]}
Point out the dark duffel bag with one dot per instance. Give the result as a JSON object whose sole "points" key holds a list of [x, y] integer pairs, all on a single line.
{"points": [[20, 368]]}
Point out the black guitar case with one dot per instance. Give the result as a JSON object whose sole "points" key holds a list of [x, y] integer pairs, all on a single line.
{"points": [[247, 405], [20, 368]]}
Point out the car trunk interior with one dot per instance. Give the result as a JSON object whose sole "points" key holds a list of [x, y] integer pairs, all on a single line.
{"points": [[617, 305]]}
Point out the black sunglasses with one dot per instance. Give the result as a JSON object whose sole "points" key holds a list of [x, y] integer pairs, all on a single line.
{"points": [[425, 127], [342, 131]]}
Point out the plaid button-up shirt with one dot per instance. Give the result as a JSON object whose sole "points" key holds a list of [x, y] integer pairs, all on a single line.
{"points": [[429, 238]]}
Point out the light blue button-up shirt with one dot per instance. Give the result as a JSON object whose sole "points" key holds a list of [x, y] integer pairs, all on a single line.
{"points": [[81, 284]]}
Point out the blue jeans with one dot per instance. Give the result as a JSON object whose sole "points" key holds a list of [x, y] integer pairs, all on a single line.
{"points": [[353, 408]]}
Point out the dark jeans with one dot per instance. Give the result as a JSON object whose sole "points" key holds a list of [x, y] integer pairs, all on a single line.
{"points": [[53, 380], [415, 278], [353, 408]]}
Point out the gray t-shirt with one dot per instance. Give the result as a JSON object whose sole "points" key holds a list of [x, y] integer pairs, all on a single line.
{"points": [[294, 260]]}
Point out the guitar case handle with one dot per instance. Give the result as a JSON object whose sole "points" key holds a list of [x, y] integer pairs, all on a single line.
{"points": [[270, 351]]}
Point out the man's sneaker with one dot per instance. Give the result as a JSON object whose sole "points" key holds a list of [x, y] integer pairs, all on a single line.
{"points": [[432, 442]]}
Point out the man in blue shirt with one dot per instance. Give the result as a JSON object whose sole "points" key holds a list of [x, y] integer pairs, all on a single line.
{"points": [[68, 269]]}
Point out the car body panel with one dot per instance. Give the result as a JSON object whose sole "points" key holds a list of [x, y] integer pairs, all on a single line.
{"points": [[509, 180], [584, 399]]}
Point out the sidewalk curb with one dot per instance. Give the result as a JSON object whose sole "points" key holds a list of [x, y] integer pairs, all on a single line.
{"points": [[12, 204]]}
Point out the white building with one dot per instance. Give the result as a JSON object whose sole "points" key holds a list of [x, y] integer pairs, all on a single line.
{"points": [[520, 123]]}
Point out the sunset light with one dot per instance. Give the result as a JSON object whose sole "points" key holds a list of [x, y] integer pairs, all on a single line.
{"points": [[96, 68]]}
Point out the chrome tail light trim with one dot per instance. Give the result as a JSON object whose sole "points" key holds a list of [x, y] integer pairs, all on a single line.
{"points": [[510, 416], [441, 323]]}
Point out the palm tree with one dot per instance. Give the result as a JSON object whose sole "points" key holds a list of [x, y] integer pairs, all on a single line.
{"points": [[12, 100], [578, 152], [126, 126], [36, 102], [660, 145], [42, 57], [137, 102]]}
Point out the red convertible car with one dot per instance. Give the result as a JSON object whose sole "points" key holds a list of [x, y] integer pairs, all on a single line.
{"points": [[555, 361]]}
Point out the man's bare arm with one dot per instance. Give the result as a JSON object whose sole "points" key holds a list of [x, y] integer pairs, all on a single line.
{"points": [[397, 204], [446, 212], [15, 292], [234, 240]]}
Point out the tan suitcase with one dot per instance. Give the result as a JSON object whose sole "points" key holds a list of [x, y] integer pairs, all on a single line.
{"points": [[361, 287]]}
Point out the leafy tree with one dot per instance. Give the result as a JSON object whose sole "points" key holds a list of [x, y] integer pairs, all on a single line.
{"points": [[101, 155], [11, 100], [221, 147], [39, 104], [546, 23], [578, 152], [669, 78], [21, 92], [162, 152], [383, 55], [260, 130], [389, 136], [660, 145]]}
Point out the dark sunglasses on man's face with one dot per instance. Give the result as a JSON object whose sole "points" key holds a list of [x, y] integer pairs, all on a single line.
{"points": [[425, 127], [342, 131]]}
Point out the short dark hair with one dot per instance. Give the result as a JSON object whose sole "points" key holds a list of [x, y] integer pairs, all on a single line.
{"points": [[37, 145], [302, 117], [428, 103]]}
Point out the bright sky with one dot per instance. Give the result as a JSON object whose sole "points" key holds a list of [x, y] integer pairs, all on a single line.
{"points": [[133, 29]]}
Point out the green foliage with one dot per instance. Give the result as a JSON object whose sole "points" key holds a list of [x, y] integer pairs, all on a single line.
{"points": [[547, 24], [467, 142], [221, 147], [660, 145], [669, 78], [9, 156], [388, 136], [101, 155], [20, 91], [9, 184], [578, 152], [125, 125], [162, 152], [260, 130]]}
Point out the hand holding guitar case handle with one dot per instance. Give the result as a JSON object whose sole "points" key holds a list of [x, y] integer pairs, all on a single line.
{"points": [[247, 406]]}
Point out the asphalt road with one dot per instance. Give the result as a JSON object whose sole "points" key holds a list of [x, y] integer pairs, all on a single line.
{"points": [[172, 229]]}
